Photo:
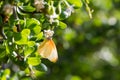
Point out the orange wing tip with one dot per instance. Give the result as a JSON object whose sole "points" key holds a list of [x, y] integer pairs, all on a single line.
{"points": [[53, 60]]}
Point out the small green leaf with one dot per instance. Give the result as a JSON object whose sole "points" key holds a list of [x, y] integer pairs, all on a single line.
{"points": [[41, 67], [44, 67], [2, 54], [34, 25], [76, 3], [30, 43], [62, 25], [36, 29], [75, 78], [28, 51], [7, 72], [22, 41], [39, 36], [17, 36], [24, 37], [25, 32], [32, 21], [27, 70], [7, 48], [33, 61], [27, 8]]}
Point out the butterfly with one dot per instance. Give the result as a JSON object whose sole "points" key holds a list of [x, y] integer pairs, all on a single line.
{"points": [[47, 48]]}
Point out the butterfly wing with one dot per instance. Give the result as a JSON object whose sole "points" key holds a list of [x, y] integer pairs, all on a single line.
{"points": [[48, 50]]}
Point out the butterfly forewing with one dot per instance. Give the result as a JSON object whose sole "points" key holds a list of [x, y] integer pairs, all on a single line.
{"points": [[47, 49]]}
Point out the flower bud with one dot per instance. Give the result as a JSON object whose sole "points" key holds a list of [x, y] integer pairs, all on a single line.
{"points": [[39, 4], [8, 9]]}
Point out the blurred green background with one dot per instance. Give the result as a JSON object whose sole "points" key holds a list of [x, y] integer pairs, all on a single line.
{"points": [[89, 49]]}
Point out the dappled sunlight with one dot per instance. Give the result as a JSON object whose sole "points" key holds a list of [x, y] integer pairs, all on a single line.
{"points": [[106, 54]]}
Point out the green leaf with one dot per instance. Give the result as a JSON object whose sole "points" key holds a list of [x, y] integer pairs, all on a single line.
{"points": [[34, 25], [28, 51], [2, 51], [7, 72], [76, 3], [22, 41], [27, 8], [30, 43], [24, 37], [2, 54], [5, 75], [30, 22], [7, 48], [17, 36], [75, 78], [36, 29], [33, 61], [41, 67], [27, 70], [39, 36], [25, 32], [62, 25]]}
